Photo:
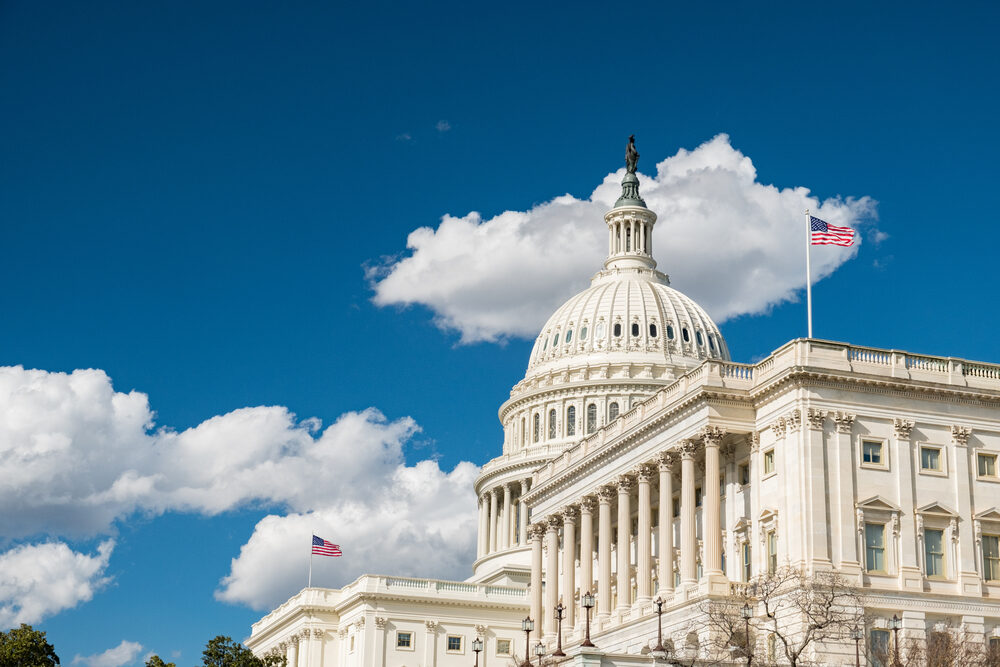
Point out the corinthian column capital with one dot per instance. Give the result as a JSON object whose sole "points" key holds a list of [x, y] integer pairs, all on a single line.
{"points": [[711, 436]]}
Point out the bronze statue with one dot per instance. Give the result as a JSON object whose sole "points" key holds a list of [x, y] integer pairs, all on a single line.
{"points": [[631, 155]]}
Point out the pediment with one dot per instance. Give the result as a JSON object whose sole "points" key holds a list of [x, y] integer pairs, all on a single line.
{"points": [[768, 514], [992, 514], [741, 525], [878, 503], [937, 509]]}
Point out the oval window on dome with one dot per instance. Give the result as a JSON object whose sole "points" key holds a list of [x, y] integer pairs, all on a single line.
{"points": [[711, 342], [697, 335], [617, 329], [635, 329], [599, 333], [555, 341], [685, 335], [670, 332], [545, 344], [583, 332], [569, 335], [652, 331]]}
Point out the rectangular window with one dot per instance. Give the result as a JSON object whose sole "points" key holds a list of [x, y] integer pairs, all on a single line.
{"points": [[878, 645], [769, 462], [875, 547], [772, 552], [503, 647], [987, 465], [930, 458], [722, 486], [454, 644], [743, 474], [404, 640], [677, 507], [991, 557], [934, 552], [697, 497], [871, 453], [747, 567]]}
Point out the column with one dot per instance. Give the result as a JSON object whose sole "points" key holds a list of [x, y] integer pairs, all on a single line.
{"points": [[689, 540], [710, 518], [507, 519], [523, 527], [846, 556], [551, 575], [483, 530], [625, 484], [969, 582], [535, 533], [293, 651], [570, 516], [492, 542], [604, 496], [430, 644], [587, 507], [643, 540], [666, 519], [815, 476], [910, 575]]}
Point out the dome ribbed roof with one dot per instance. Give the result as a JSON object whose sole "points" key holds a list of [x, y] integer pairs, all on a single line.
{"points": [[656, 325]]}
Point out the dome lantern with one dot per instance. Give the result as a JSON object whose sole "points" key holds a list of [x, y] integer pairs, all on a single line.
{"points": [[630, 223]]}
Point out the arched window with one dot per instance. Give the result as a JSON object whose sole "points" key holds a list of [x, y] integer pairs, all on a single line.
{"points": [[711, 342], [697, 334], [670, 332], [613, 411], [571, 420], [685, 335], [652, 331], [545, 344], [628, 239], [537, 427], [599, 333], [617, 329], [569, 336], [552, 424], [635, 329], [583, 332], [555, 340], [591, 418]]}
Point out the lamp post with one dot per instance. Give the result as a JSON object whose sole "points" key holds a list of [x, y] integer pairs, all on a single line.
{"points": [[587, 600], [527, 625], [659, 650], [477, 647], [539, 651], [895, 624], [857, 635], [747, 613], [559, 616]]}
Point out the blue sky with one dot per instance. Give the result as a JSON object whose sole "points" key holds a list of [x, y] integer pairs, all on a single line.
{"points": [[202, 200]]}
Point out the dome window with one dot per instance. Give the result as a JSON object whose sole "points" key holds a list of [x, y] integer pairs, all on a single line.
{"points": [[583, 332], [552, 424], [635, 329], [571, 420], [555, 340], [617, 330], [599, 334], [697, 335], [711, 342], [591, 418], [569, 335], [537, 427], [670, 332], [545, 344], [652, 330], [613, 411], [685, 335]]}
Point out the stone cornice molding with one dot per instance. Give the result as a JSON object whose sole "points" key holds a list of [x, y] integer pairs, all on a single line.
{"points": [[902, 428], [606, 494], [960, 435], [816, 418], [844, 421], [624, 483], [645, 472]]}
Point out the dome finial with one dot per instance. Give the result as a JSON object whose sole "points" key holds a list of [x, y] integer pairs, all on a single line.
{"points": [[630, 184]]}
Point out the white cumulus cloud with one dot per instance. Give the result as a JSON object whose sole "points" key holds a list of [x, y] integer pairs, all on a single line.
{"points": [[76, 456], [38, 580], [117, 656], [730, 242]]}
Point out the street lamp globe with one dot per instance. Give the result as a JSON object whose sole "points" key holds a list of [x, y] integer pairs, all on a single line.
{"points": [[746, 612]]}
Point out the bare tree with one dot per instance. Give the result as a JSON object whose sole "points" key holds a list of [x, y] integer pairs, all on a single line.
{"points": [[801, 612], [949, 647]]}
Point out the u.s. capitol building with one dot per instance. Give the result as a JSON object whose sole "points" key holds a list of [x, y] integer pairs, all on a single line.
{"points": [[640, 464]]}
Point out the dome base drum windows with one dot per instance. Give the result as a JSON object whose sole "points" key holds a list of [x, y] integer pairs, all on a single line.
{"points": [[613, 411], [571, 420], [617, 330], [552, 424], [591, 418]]}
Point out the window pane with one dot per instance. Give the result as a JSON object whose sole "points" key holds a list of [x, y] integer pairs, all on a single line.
{"points": [[591, 418], [987, 465], [571, 420], [991, 557], [930, 459], [875, 547], [871, 452], [934, 552], [552, 424], [613, 412], [768, 462]]}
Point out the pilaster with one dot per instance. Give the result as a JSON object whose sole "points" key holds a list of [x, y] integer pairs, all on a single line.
{"points": [[969, 582]]}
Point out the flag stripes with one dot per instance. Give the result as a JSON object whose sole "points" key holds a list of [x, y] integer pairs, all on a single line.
{"points": [[823, 233], [321, 547]]}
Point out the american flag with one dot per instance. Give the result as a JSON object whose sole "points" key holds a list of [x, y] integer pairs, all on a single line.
{"points": [[323, 548], [823, 233]]}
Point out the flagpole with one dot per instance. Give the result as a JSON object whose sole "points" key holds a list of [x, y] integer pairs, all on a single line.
{"points": [[809, 292], [310, 585]]}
